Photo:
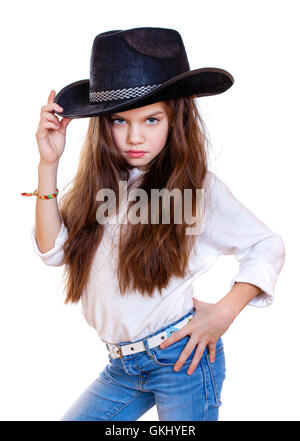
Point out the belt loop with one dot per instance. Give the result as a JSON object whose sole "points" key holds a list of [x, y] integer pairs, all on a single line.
{"points": [[148, 350]]}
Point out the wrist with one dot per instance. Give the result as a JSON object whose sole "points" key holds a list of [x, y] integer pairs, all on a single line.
{"points": [[238, 297], [47, 178], [227, 309], [48, 165]]}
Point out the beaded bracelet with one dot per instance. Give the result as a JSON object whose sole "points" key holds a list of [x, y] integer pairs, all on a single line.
{"points": [[46, 196]]}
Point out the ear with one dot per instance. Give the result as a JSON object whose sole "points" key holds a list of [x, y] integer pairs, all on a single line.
{"points": [[155, 42]]}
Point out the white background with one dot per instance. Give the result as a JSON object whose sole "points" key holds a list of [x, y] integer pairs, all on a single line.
{"points": [[49, 354]]}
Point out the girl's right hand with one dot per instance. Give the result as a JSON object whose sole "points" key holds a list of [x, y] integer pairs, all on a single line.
{"points": [[51, 133]]}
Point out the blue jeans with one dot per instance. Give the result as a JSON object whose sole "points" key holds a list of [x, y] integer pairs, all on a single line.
{"points": [[129, 386]]}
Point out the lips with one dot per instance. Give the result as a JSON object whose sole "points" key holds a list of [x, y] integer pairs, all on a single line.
{"points": [[135, 154], [136, 151]]}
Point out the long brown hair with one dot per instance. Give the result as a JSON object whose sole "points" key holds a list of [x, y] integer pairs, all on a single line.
{"points": [[148, 254]]}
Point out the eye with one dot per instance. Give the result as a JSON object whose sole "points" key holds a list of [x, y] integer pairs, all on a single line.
{"points": [[117, 119], [113, 120], [155, 119]]}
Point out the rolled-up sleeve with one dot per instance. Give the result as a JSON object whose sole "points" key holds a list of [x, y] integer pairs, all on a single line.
{"points": [[55, 256], [234, 229]]}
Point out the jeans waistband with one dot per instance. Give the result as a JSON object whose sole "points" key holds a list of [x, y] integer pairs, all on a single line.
{"points": [[154, 339]]}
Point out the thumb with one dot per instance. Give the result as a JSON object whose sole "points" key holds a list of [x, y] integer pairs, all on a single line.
{"points": [[197, 303], [65, 122]]}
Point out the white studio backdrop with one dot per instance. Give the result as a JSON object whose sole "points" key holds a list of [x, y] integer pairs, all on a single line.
{"points": [[49, 354]]}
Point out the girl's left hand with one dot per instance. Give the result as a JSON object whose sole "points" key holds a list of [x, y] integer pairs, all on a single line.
{"points": [[209, 322]]}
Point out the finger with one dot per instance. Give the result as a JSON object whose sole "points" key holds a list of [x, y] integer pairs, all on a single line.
{"points": [[44, 126], [50, 125], [51, 105], [51, 97], [174, 337], [197, 357], [47, 116], [51, 108], [212, 351], [188, 349]]}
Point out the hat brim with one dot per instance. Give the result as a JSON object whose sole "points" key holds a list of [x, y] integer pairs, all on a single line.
{"points": [[74, 98]]}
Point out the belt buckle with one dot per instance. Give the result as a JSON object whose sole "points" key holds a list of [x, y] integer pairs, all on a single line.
{"points": [[118, 351]]}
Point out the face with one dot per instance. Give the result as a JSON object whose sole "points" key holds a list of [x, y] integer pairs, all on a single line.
{"points": [[143, 130]]}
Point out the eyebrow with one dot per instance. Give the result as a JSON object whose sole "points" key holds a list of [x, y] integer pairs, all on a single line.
{"points": [[147, 116]]}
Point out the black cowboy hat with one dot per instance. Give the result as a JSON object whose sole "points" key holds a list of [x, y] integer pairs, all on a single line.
{"points": [[136, 67]]}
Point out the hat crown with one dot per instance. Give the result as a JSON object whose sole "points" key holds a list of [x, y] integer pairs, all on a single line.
{"points": [[134, 58], [137, 67]]}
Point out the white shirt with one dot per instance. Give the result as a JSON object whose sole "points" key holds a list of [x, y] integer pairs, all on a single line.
{"points": [[228, 228]]}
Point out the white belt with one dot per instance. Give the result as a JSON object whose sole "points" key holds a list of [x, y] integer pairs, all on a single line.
{"points": [[117, 351]]}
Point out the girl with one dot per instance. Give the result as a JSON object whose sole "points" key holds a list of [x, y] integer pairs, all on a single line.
{"points": [[135, 276]]}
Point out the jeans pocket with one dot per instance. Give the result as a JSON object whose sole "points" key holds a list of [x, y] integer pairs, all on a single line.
{"points": [[216, 372], [168, 356]]}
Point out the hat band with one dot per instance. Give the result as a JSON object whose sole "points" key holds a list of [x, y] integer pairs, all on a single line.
{"points": [[132, 92]]}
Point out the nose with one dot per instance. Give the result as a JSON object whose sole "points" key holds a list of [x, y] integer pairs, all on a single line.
{"points": [[135, 135]]}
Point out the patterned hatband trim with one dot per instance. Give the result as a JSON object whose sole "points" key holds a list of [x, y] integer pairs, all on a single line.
{"points": [[132, 92]]}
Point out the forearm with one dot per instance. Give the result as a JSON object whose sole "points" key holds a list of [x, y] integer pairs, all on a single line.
{"points": [[47, 217], [238, 297]]}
